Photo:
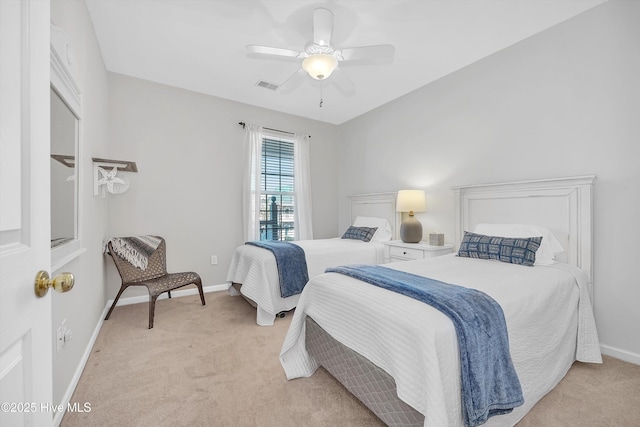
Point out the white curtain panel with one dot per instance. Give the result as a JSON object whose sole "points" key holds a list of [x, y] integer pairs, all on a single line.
{"points": [[251, 182], [303, 220]]}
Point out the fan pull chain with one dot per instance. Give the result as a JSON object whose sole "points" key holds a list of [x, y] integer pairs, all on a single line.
{"points": [[321, 101]]}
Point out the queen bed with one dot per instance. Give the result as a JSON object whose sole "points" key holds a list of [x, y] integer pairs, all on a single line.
{"points": [[402, 358], [253, 272]]}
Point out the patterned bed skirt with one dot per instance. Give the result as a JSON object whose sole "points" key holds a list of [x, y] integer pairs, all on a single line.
{"points": [[371, 385]]}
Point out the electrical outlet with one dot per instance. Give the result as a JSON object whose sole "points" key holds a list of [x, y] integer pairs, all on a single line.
{"points": [[68, 335], [63, 327], [59, 338], [214, 259]]}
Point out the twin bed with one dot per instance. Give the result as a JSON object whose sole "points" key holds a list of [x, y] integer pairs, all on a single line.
{"points": [[253, 272], [402, 358]]}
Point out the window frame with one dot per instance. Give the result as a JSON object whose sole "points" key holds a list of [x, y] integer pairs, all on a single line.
{"points": [[277, 229]]}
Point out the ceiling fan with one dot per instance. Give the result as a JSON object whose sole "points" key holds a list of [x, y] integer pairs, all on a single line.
{"points": [[319, 57]]}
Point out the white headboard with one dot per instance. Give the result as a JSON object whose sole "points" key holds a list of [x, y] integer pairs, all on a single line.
{"points": [[564, 205], [382, 205]]}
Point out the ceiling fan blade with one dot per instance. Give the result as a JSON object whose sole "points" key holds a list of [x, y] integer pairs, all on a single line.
{"points": [[322, 26], [343, 82], [277, 51], [292, 82], [366, 52]]}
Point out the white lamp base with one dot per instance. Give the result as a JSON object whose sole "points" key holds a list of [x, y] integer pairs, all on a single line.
{"points": [[411, 230]]}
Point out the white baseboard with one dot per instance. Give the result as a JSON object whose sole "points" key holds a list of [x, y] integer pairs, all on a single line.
{"points": [[122, 301], [627, 356], [78, 373]]}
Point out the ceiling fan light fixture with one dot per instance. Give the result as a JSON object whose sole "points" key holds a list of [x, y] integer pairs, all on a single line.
{"points": [[320, 66]]}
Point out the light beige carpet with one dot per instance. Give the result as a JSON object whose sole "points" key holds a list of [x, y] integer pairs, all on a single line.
{"points": [[213, 366]]}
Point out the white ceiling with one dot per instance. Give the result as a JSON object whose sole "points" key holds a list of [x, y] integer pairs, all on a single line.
{"points": [[200, 44]]}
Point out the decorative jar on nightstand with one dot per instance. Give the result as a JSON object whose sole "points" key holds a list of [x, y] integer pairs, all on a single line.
{"points": [[397, 250]]}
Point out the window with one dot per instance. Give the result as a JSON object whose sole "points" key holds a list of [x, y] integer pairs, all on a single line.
{"points": [[277, 194]]}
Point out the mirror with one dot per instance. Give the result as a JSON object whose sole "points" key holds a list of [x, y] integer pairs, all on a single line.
{"points": [[66, 171], [64, 176]]}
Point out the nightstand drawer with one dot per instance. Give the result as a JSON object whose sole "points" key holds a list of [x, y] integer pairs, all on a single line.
{"points": [[406, 253], [396, 250]]}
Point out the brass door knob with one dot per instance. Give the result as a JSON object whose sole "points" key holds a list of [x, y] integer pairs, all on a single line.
{"points": [[63, 282]]}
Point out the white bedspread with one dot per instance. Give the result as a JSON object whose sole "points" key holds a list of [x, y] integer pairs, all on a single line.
{"points": [[547, 309], [255, 268]]}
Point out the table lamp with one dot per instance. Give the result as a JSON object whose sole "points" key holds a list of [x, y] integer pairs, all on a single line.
{"points": [[411, 201]]}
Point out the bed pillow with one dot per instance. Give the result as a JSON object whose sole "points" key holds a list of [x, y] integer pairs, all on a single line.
{"points": [[548, 248], [359, 233], [514, 250], [384, 228]]}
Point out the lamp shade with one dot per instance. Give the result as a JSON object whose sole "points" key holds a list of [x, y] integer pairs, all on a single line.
{"points": [[411, 201], [320, 66]]}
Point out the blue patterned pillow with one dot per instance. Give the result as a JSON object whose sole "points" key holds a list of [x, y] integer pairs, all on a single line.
{"points": [[515, 250], [360, 233]]}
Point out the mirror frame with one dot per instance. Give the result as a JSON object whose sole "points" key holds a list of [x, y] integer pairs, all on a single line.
{"points": [[64, 83]]}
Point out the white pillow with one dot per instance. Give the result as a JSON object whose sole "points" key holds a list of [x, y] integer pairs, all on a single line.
{"points": [[384, 228], [545, 254]]}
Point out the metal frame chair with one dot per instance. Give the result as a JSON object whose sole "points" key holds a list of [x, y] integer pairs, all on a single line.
{"points": [[154, 277]]}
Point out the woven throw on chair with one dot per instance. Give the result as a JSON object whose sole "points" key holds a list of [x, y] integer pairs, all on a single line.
{"points": [[136, 249]]}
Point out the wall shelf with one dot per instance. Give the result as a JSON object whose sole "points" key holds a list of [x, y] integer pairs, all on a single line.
{"points": [[122, 165], [113, 183], [68, 161]]}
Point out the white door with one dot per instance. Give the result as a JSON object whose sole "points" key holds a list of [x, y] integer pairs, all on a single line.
{"points": [[25, 319]]}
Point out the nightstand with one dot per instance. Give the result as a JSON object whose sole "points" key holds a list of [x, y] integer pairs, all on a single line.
{"points": [[397, 250]]}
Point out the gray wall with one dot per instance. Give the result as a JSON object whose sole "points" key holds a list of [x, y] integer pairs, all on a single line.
{"points": [[562, 103], [188, 149], [83, 305]]}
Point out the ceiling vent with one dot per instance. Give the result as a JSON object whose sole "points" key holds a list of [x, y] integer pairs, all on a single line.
{"points": [[267, 85]]}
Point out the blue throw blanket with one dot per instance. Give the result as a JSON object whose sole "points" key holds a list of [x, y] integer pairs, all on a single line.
{"points": [[292, 265], [490, 385]]}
